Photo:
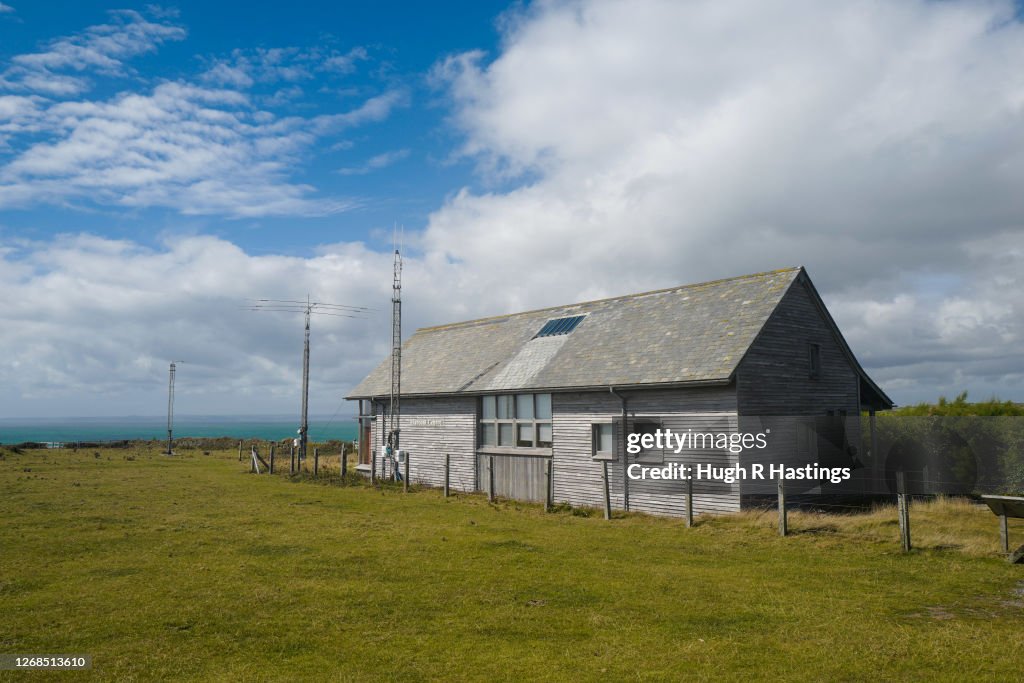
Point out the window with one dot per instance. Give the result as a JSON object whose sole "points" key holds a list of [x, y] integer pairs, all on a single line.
{"points": [[653, 455], [807, 438], [814, 360], [558, 326], [603, 440], [516, 421]]}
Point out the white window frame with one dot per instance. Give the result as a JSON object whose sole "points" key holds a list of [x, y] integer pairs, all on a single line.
{"points": [[649, 456], [595, 440], [532, 423]]}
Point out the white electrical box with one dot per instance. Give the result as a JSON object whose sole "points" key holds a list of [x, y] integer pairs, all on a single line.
{"points": [[401, 456]]}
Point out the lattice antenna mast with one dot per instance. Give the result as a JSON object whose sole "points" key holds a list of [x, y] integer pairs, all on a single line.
{"points": [[170, 407], [394, 419]]}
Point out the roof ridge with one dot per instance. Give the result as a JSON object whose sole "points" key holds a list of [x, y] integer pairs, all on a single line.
{"points": [[503, 316]]}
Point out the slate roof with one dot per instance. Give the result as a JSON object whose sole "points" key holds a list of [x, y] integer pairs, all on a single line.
{"points": [[688, 334]]}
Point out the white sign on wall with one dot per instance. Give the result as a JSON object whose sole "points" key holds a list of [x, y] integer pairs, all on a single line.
{"points": [[423, 422]]}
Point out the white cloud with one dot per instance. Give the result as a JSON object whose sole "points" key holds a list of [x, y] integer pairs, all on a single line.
{"points": [[208, 148], [652, 143], [372, 110], [89, 324], [197, 150], [244, 67], [375, 163], [626, 146], [346, 63], [221, 73], [101, 49], [6, 9]]}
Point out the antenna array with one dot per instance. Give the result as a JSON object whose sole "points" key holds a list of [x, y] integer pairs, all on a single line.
{"points": [[395, 412], [308, 308]]}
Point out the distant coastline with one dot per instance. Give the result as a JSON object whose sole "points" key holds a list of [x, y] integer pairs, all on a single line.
{"points": [[263, 427]]}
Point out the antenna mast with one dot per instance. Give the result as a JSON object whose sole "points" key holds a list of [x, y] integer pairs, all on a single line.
{"points": [[170, 408], [308, 308], [396, 354], [304, 425]]}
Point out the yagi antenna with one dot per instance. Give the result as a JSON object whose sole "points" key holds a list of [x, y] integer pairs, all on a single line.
{"points": [[308, 308]]}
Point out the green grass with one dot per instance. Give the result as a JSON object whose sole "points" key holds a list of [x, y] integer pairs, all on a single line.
{"points": [[189, 568]]}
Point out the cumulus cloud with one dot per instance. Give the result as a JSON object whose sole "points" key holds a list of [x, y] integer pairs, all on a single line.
{"points": [[88, 324], [621, 147], [636, 145], [89, 321]]}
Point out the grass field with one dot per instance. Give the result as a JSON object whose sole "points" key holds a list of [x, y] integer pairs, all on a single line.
{"points": [[189, 568]]}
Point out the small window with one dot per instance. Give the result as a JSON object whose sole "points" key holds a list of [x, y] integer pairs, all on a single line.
{"points": [[603, 441], [489, 412], [557, 326], [807, 439], [524, 406], [652, 455], [814, 360], [544, 434], [490, 435], [525, 436], [506, 407], [543, 406]]}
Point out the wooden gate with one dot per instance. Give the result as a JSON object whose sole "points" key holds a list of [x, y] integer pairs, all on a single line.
{"points": [[515, 476]]}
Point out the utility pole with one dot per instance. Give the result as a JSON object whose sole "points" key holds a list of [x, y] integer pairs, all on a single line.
{"points": [[304, 425], [308, 308]]}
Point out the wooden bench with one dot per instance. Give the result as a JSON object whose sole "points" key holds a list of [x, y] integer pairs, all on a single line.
{"points": [[1005, 507]]}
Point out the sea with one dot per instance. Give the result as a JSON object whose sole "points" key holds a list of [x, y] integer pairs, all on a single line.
{"points": [[262, 427]]}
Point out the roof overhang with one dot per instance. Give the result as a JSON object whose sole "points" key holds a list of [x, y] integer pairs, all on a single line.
{"points": [[558, 390]]}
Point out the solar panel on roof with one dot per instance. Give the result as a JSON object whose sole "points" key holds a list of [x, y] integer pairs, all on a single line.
{"points": [[557, 326]]}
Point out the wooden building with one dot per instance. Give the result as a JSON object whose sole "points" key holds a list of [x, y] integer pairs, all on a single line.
{"points": [[567, 384]]}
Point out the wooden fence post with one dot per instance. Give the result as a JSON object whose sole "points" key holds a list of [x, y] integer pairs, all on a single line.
{"points": [[1004, 533], [783, 522], [490, 478], [373, 466], [291, 453], [547, 485], [239, 451], [405, 474], [689, 502], [343, 463], [904, 511], [607, 491], [551, 485], [316, 462], [447, 474], [271, 458]]}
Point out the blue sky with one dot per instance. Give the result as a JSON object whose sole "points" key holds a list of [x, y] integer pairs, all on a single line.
{"points": [[396, 169], [161, 165]]}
